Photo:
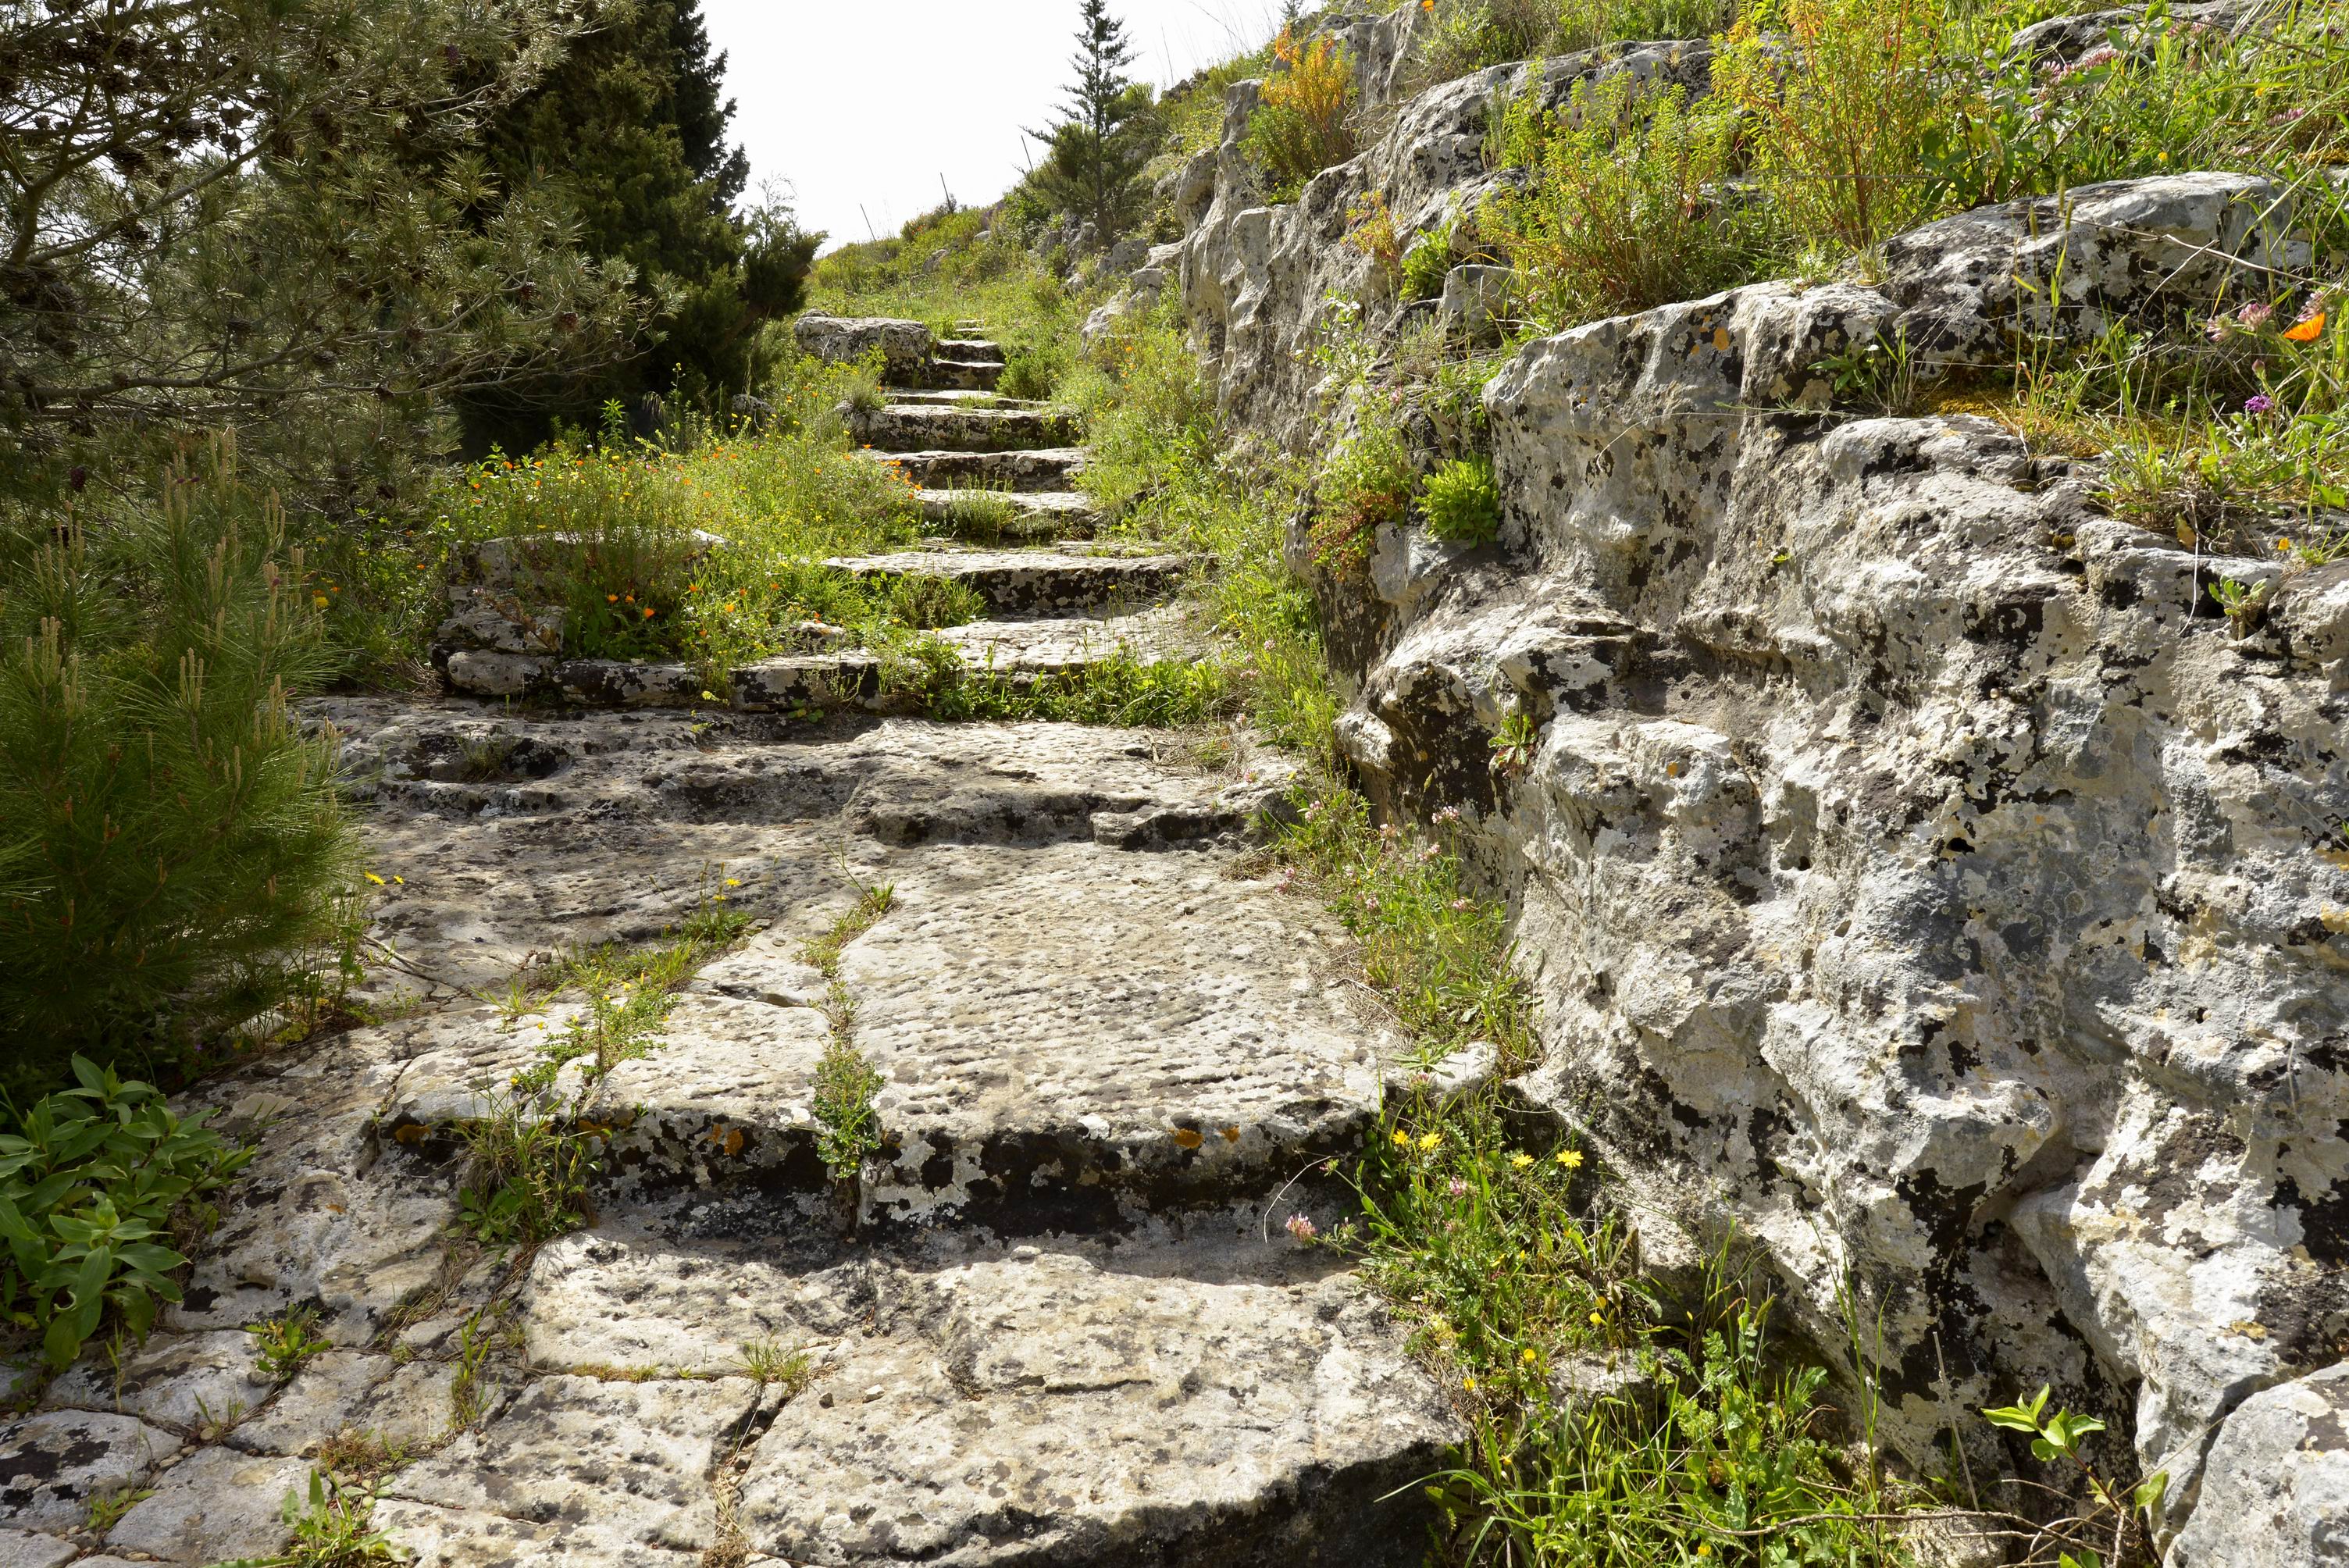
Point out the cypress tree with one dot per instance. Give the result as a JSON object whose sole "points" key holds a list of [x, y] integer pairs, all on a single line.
{"points": [[1100, 142]]}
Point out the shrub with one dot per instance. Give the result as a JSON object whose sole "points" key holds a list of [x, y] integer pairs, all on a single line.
{"points": [[1844, 110], [1586, 24], [90, 1185], [1371, 229], [1367, 484], [1427, 264], [927, 603], [2175, 95], [1034, 372], [1305, 123], [1623, 213], [1470, 35], [1461, 503], [174, 838]]}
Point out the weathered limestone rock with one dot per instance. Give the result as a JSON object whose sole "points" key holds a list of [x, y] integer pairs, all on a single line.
{"points": [[905, 345], [1920, 876], [1060, 1406], [52, 1466], [215, 1504], [631, 1458], [30, 1549], [2273, 1487]]}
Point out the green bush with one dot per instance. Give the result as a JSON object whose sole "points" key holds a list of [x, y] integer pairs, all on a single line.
{"points": [[1623, 213], [1368, 482], [1035, 372], [1586, 24], [90, 1184], [927, 604], [1426, 265], [1462, 503], [177, 858]]}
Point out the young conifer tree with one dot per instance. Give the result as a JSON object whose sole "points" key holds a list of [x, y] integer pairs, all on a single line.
{"points": [[1102, 140]]}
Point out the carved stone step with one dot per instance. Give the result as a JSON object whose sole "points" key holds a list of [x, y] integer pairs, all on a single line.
{"points": [[975, 350], [1034, 583], [946, 375], [915, 428], [1047, 468]]}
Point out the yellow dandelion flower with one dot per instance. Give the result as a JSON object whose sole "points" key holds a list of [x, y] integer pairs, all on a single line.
{"points": [[1570, 1157], [1428, 1140], [1528, 1358], [1520, 1161], [1401, 1139]]}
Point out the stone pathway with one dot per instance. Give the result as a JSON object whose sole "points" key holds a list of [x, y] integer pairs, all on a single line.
{"points": [[1058, 1322]]}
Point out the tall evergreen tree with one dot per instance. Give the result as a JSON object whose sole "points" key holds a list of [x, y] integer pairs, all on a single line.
{"points": [[1101, 141], [633, 124]]}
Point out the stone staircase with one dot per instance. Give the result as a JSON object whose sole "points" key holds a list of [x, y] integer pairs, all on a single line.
{"points": [[1058, 1319], [1057, 603]]}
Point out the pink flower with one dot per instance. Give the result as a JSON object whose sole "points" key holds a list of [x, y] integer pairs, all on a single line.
{"points": [[1448, 815], [1458, 1188], [2255, 315], [2258, 403], [1302, 1228], [1461, 905]]}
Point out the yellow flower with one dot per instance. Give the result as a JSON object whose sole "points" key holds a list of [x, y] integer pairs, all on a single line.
{"points": [[1401, 1139], [711, 697], [1469, 1383], [1704, 1549], [733, 881], [318, 601], [1528, 1358], [374, 878], [1520, 1161], [1428, 1140], [1570, 1157], [1597, 1318]]}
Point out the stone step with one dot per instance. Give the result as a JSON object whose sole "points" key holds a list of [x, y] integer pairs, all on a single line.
{"points": [[961, 400], [1015, 651], [1047, 468], [1207, 1400], [1034, 583], [915, 428], [972, 350], [1010, 514], [954, 375]]}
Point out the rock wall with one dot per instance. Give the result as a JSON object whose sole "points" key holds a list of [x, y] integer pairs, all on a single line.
{"points": [[1922, 880]]}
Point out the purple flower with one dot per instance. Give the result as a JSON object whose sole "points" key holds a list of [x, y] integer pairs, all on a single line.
{"points": [[1302, 1228], [1458, 1188], [2255, 315], [2258, 403]]}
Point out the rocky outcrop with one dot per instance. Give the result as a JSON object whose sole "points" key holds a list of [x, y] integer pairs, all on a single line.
{"points": [[1924, 881]]}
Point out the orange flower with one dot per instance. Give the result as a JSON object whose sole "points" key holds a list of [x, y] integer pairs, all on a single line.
{"points": [[2307, 331]]}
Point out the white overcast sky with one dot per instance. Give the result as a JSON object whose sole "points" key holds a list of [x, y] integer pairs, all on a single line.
{"points": [[870, 101]]}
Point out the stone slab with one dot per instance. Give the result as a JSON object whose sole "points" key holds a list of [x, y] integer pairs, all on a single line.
{"points": [[52, 1466], [1035, 584]]}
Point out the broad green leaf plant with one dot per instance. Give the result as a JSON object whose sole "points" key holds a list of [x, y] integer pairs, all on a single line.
{"points": [[89, 1185]]}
